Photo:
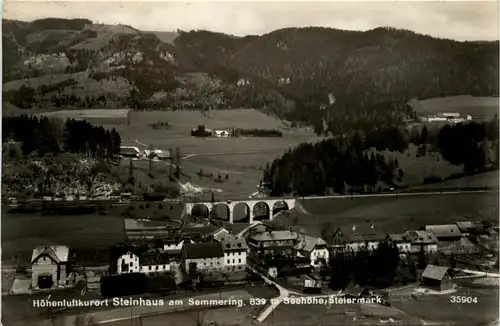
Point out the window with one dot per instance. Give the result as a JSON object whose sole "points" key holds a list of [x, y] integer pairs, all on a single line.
{"points": [[156, 267], [149, 267], [233, 261], [239, 260], [229, 261], [164, 266], [131, 264], [131, 257]]}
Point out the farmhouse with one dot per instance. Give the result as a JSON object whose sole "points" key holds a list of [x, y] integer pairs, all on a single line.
{"points": [[202, 256], [422, 240], [235, 253], [401, 240], [273, 242], [157, 154], [221, 133], [130, 151], [49, 267], [473, 228], [358, 237], [313, 248], [449, 232], [436, 278]]}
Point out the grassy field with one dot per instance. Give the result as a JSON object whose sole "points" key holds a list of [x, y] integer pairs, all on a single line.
{"points": [[242, 159], [416, 169], [85, 233], [477, 107], [488, 179], [392, 215]]}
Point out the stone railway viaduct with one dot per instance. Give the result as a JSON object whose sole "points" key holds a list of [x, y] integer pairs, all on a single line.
{"points": [[250, 204]]}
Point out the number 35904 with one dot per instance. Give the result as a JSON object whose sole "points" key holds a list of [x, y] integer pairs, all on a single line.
{"points": [[462, 299]]}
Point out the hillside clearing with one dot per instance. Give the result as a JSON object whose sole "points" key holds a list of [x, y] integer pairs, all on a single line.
{"points": [[477, 107]]}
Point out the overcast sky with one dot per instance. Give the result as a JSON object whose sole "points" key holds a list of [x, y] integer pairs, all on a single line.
{"points": [[472, 20]]}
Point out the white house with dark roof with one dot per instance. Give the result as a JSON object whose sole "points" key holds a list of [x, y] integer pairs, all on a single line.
{"points": [[282, 241], [422, 240], [149, 262], [202, 256], [401, 240], [49, 267], [357, 237], [313, 248], [235, 253]]}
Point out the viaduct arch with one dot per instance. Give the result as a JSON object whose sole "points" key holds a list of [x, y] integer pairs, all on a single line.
{"points": [[251, 204]]}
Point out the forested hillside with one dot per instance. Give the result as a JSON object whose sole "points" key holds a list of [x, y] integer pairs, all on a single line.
{"points": [[332, 79], [369, 75]]}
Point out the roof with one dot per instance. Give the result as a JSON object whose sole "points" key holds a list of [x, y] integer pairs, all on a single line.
{"points": [[154, 258], [399, 237], [129, 150], [203, 250], [465, 226], [434, 272], [309, 243], [58, 253], [354, 290], [444, 231], [362, 232], [421, 237], [275, 236], [234, 244]]}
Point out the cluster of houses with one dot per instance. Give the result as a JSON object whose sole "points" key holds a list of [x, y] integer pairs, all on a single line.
{"points": [[452, 117], [135, 152], [201, 131], [205, 248]]}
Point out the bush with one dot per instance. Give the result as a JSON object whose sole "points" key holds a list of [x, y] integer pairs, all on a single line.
{"points": [[432, 179]]}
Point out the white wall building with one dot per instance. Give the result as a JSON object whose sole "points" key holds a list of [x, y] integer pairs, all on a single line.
{"points": [[425, 240], [402, 241], [235, 253], [150, 262], [202, 256]]}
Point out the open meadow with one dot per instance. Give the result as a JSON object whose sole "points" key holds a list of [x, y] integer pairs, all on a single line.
{"points": [[242, 159], [394, 214], [477, 107]]}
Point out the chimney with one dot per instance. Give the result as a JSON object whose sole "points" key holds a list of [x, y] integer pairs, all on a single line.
{"points": [[354, 227], [372, 225]]}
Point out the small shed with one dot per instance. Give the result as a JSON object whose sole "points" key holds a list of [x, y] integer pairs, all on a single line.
{"points": [[436, 278]]}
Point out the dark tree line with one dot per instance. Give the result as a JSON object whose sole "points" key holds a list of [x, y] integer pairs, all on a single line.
{"points": [[379, 268], [314, 169], [257, 132], [43, 135]]}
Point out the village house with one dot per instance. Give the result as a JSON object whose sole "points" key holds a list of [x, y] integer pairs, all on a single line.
{"points": [[401, 240], [221, 133], [130, 151], [173, 246], [235, 253], [202, 256], [468, 228], [448, 232], [220, 234], [49, 267], [364, 236], [422, 240], [313, 248], [436, 278], [272, 242], [148, 262]]}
